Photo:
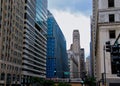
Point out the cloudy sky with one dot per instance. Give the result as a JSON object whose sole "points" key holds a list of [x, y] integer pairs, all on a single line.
{"points": [[70, 15]]}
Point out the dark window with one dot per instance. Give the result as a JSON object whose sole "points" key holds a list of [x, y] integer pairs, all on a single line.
{"points": [[112, 34], [2, 76], [110, 3], [25, 1], [111, 17], [25, 16]]}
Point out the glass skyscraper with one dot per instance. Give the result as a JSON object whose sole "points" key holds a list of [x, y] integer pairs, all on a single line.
{"points": [[57, 61], [35, 40]]}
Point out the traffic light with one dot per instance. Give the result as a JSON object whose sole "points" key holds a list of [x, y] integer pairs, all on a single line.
{"points": [[115, 51], [115, 57], [108, 46]]}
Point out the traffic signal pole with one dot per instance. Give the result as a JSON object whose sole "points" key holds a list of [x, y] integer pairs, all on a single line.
{"points": [[104, 50], [116, 41], [115, 53], [118, 62]]}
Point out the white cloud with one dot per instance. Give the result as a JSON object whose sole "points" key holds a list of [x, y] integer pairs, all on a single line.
{"points": [[68, 22]]}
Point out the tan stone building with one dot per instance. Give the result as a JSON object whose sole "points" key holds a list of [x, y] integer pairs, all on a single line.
{"points": [[73, 64], [11, 40], [76, 48], [94, 19], [105, 27], [77, 54], [23, 41]]}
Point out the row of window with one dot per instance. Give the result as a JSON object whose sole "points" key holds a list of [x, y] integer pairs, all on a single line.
{"points": [[31, 55], [34, 72], [12, 76], [10, 59], [34, 61], [10, 68], [111, 18]]}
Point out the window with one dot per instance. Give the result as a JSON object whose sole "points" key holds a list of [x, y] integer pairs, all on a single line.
{"points": [[112, 34], [111, 17], [2, 76], [110, 3]]}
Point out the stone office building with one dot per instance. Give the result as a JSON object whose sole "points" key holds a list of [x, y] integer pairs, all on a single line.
{"points": [[11, 40], [23, 41], [106, 27]]}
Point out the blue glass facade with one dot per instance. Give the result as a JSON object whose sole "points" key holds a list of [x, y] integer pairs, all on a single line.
{"points": [[56, 50], [41, 15]]}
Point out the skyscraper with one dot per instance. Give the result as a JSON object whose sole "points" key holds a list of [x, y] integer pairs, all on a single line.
{"points": [[56, 50], [76, 48], [73, 64], [94, 19], [11, 41], [78, 55], [76, 42], [82, 63], [35, 40]]}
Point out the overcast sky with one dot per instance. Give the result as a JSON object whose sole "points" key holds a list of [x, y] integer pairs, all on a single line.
{"points": [[70, 15]]}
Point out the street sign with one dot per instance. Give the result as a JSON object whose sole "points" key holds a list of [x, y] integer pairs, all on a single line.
{"points": [[66, 73]]}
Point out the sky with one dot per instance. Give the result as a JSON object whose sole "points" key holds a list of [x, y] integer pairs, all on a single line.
{"points": [[71, 15]]}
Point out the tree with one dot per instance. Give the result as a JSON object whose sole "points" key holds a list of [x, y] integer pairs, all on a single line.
{"points": [[49, 82], [90, 81], [42, 82], [63, 84]]}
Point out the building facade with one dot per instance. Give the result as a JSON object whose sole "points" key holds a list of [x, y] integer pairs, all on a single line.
{"points": [[57, 60], [11, 41], [78, 54], [76, 48], [35, 40], [87, 66], [107, 28], [73, 64], [82, 63], [23, 41], [91, 59], [94, 19]]}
